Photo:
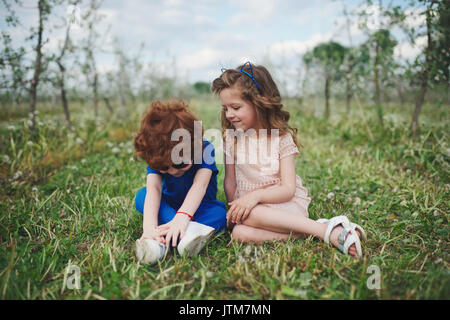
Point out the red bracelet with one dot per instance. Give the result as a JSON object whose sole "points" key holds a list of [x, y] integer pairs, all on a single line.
{"points": [[192, 218]]}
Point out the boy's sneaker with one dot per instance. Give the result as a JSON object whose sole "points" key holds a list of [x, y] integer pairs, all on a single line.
{"points": [[149, 251], [195, 238]]}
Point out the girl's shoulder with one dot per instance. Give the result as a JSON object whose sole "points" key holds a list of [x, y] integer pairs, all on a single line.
{"points": [[287, 145]]}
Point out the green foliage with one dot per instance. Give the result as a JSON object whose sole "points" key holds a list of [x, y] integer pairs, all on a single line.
{"points": [[328, 56], [72, 203], [202, 87]]}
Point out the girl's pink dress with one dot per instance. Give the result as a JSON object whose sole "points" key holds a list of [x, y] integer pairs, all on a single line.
{"points": [[263, 170]]}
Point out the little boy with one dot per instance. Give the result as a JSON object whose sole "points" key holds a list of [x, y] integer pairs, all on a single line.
{"points": [[179, 202]]}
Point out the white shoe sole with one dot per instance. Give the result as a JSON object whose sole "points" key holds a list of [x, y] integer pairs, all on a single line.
{"points": [[148, 251], [193, 243]]}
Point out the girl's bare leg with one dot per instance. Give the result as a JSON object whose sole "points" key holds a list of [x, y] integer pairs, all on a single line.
{"points": [[244, 233], [283, 222]]}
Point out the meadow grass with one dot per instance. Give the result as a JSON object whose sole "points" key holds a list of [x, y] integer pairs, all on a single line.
{"points": [[67, 198]]}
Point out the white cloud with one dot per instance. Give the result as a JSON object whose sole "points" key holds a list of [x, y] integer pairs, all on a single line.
{"points": [[295, 47], [201, 58], [405, 50]]}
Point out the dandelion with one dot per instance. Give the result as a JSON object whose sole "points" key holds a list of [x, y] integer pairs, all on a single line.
{"points": [[435, 213], [131, 159], [79, 140], [83, 161], [130, 150], [109, 144], [29, 123], [11, 127], [5, 158], [357, 201], [29, 143], [115, 150], [17, 175], [34, 189], [330, 195]]}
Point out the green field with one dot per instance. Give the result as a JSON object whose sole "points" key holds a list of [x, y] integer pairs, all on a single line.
{"points": [[67, 198]]}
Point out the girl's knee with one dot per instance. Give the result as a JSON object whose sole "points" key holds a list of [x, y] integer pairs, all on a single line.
{"points": [[241, 233]]}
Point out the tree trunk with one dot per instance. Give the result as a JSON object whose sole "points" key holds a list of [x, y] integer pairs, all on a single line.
{"points": [[95, 90], [348, 94], [401, 96], [424, 84], [37, 69], [327, 97], [108, 105], [65, 103], [377, 83]]}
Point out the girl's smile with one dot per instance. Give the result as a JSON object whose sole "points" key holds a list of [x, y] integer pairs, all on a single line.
{"points": [[240, 113]]}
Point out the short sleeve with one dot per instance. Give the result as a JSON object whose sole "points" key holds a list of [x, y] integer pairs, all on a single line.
{"points": [[209, 157], [150, 170], [228, 145], [287, 146]]}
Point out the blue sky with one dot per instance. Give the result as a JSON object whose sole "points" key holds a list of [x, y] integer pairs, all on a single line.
{"points": [[204, 35]]}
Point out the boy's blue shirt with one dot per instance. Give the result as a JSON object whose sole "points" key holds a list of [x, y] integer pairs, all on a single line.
{"points": [[174, 190]]}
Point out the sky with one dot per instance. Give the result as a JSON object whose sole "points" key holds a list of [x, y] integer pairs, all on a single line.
{"points": [[198, 38]]}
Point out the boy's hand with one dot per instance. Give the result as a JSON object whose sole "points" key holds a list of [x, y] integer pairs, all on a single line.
{"points": [[240, 208], [174, 229], [153, 233]]}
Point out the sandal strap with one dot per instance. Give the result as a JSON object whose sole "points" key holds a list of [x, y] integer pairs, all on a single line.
{"points": [[352, 239], [333, 223]]}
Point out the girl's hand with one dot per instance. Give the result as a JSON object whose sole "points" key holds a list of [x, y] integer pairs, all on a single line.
{"points": [[153, 233], [240, 208], [174, 229]]}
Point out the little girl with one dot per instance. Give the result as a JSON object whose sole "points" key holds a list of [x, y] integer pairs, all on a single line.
{"points": [[176, 193], [266, 198]]}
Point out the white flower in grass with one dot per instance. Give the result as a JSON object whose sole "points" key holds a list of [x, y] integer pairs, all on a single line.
{"points": [[131, 159], [29, 143], [115, 150], [330, 195], [17, 175], [109, 144], [5, 158], [415, 214], [83, 161], [11, 127], [29, 123], [357, 201], [34, 189], [130, 150], [79, 140]]}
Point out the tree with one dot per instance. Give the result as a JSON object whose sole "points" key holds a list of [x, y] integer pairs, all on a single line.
{"points": [[90, 47], [44, 8], [434, 62], [380, 46], [67, 46], [328, 58], [375, 21]]}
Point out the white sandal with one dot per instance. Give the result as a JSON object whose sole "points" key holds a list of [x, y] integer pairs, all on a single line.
{"points": [[353, 225], [344, 241]]}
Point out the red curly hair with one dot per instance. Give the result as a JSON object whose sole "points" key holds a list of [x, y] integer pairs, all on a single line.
{"points": [[153, 142]]}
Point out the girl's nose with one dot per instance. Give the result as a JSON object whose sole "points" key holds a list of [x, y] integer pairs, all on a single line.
{"points": [[229, 114]]}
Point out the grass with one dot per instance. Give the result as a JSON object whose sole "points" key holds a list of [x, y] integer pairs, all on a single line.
{"points": [[67, 199]]}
